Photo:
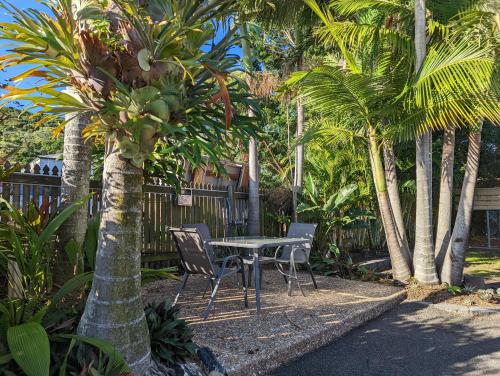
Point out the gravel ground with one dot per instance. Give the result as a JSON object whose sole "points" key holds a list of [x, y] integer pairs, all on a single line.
{"points": [[287, 327], [411, 339]]}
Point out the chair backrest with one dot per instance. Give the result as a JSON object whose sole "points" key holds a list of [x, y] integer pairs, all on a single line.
{"points": [[204, 231], [202, 228], [195, 257], [300, 230]]}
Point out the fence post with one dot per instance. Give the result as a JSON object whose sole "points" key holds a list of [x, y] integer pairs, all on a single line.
{"points": [[488, 230], [231, 210]]}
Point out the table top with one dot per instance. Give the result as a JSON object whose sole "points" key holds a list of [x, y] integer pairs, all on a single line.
{"points": [[256, 242]]}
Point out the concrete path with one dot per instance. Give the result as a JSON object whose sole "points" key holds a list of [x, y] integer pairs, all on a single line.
{"points": [[411, 339], [248, 343]]}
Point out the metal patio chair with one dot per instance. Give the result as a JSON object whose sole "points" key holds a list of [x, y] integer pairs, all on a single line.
{"points": [[296, 254], [204, 232], [196, 258]]}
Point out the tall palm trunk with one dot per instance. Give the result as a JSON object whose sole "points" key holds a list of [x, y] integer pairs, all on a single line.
{"points": [[423, 255], [443, 231], [75, 181], [253, 189], [114, 309], [299, 159], [253, 225], [453, 266], [400, 266], [393, 191], [299, 149]]}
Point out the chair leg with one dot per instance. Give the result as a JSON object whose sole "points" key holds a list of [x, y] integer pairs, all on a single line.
{"points": [[296, 276], [312, 275], [212, 299], [211, 284], [181, 287], [289, 280], [285, 278], [260, 275], [282, 271], [250, 269], [245, 289]]}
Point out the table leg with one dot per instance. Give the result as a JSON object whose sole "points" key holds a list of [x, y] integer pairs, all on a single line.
{"points": [[256, 270]]}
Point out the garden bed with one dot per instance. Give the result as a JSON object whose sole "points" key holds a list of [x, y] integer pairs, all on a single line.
{"points": [[287, 327], [440, 294]]}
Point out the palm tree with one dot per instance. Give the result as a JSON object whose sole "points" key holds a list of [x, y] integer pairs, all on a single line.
{"points": [[75, 182], [390, 103], [443, 230], [453, 263], [483, 31], [253, 225], [298, 175], [145, 81], [349, 100], [423, 254], [393, 191]]}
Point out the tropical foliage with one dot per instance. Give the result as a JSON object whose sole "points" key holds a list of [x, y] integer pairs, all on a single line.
{"points": [[370, 88], [171, 337], [376, 83], [147, 73], [22, 141]]}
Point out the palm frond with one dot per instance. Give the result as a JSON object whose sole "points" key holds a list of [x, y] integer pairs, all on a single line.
{"points": [[332, 91], [350, 7], [328, 20], [277, 13]]}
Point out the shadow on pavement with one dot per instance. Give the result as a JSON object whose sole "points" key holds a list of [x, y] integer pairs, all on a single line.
{"points": [[409, 340]]}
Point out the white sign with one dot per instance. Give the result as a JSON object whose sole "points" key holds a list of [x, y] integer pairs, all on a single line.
{"points": [[185, 200]]}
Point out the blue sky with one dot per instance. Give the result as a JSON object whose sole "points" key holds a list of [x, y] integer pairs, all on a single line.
{"points": [[5, 75]]}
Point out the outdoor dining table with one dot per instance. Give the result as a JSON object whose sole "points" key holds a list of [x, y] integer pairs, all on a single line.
{"points": [[256, 244]]}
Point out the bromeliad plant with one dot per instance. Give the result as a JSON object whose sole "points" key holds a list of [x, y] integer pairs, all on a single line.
{"points": [[148, 72], [171, 337]]}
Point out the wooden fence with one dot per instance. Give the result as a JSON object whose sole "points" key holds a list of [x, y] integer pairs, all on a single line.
{"points": [[223, 210]]}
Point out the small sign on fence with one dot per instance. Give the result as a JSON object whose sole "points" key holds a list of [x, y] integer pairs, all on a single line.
{"points": [[185, 200]]}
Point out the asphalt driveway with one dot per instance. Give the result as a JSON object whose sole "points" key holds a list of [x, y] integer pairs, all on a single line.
{"points": [[411, 339]]}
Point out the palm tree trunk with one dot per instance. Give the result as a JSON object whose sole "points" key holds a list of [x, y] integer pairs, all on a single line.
{"points": [[299, 159], [443, 231], [75, 181], [400, 266], [423, 255], [453, 266], [393, 191], [114, 310], [299, 149], [253, 225]]}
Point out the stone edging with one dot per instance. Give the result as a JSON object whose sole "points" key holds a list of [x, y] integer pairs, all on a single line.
{"points": [[493, 313], [318, 339]]}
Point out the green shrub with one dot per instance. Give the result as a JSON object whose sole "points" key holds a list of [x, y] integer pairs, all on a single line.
{"points": [[339, 262], [27, 246], [37, 339], [171, 338], [454, 290]]}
